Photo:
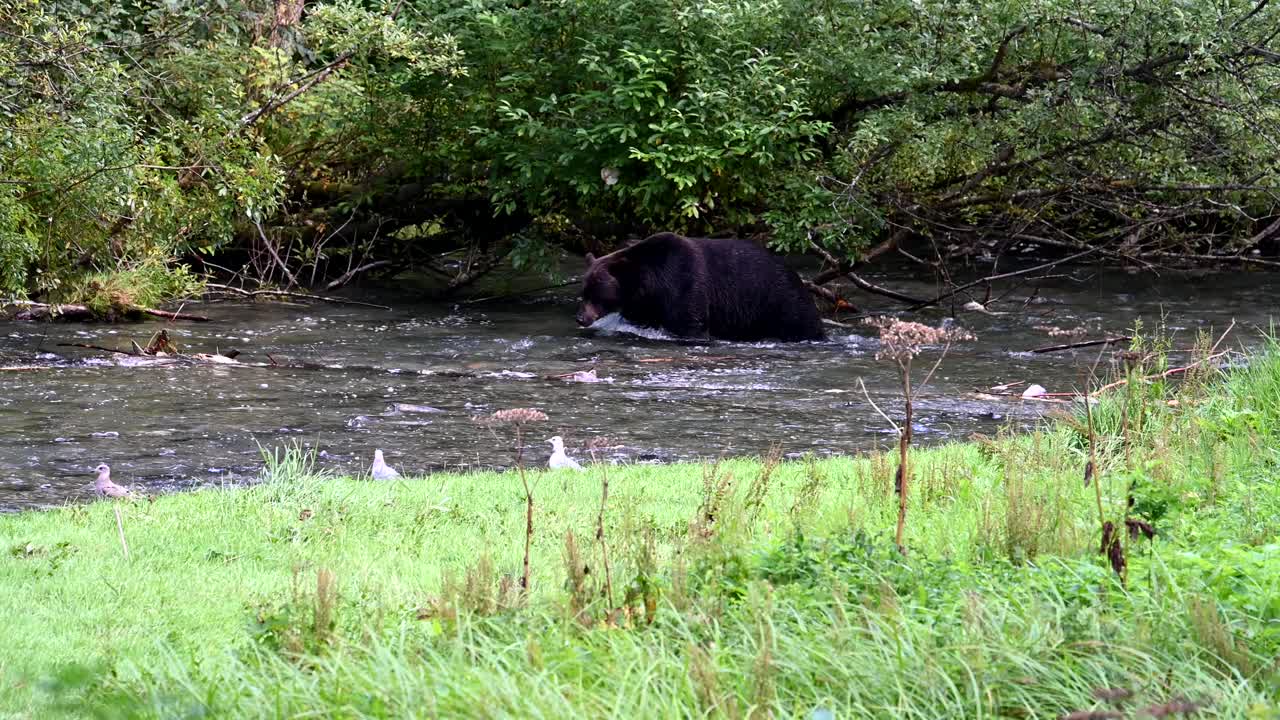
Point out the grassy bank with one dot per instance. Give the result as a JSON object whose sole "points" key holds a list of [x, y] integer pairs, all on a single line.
{"points": [[751, 589]]}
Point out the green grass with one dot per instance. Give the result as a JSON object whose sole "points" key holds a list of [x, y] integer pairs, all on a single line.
{"points": [[737, 593]]}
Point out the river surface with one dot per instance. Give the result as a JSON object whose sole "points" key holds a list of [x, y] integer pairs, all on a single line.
{"points": [[409, 380]]}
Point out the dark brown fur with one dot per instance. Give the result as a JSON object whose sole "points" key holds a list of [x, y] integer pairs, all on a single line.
{"points": [[700, 287]]}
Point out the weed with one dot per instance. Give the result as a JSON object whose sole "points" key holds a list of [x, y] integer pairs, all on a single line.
{"points": [[706, 684], [517, 418], [576, 572], [763, 669], [480, 593], [303, 625], [1024, 519], [592, 446], [810, 491], [758, 490], [901, 342], [1216, 636], [716, 489], [647, 584], [326, 600]]}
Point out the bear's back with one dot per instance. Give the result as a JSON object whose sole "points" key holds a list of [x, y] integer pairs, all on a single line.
{"points": [[753, 295], [728, 288]]}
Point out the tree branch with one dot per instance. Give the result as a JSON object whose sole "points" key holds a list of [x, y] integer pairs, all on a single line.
{"points": [[308, 81], [1002, 276], [348, 275]]}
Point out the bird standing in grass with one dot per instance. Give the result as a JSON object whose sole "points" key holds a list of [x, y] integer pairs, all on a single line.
{"points": [[559, 459], [104, 485], [381, 470]]}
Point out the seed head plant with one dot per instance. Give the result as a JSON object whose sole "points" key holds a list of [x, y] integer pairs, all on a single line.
{"points": [[517, 418], [594, 446], [900, 342]]}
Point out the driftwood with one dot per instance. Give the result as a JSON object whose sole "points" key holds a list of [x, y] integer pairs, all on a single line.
{"points": [[291, 294], [161, 349], [518, 293], [1084, 344], [1201, 257], [1212, 355], [878, 290], [843, 269], [169, 360], [704, 358], [829, 295], [1001, 276], [173, 315], [99, 348], [1045, 398], [73, 311], [1051, 396]]}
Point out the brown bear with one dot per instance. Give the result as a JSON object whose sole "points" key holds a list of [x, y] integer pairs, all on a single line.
{"points": [[721, 288]]}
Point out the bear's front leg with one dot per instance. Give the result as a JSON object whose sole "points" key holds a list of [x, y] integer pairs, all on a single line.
{"points": [[689, 319]]}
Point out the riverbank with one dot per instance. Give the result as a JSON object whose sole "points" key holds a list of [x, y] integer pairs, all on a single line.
{"points": [[747, 589]]}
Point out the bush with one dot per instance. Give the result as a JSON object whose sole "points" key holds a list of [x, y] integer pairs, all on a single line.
{"points": [[328, 132]]}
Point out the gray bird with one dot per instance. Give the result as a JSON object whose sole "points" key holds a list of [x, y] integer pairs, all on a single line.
{"points": [[104, 486], [381, 470], [558, 457]]}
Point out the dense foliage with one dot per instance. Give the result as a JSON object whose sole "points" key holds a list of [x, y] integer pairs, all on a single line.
{"points": [[305, 141]]}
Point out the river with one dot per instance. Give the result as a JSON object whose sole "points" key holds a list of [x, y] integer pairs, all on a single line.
{"points": [[409, 380]]}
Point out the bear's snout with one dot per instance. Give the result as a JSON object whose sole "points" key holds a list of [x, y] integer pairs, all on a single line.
{"points": [[586, 317]]}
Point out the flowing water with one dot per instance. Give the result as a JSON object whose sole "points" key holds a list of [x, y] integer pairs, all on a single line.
{"points": [[409, 380]]}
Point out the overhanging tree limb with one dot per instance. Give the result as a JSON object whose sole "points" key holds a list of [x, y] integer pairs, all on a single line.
{"points": [[1002, 276]]}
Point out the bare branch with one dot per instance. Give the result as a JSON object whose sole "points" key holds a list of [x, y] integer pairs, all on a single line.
{"points": [[887, 419], [1003, 276]]}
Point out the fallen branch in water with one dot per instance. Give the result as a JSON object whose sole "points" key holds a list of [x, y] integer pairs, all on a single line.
{"points": [[166, 360], [837, 302], [173, 356], [1056, 396], [518, 293], [847, 271], [161, 348], [704, 358], [1084, 344], [1043, 397], [173, 315], [38, 311], [1213, 354], [1002, 276], [877, 290], [99, 348], [292, 294], [275, 255], [1051, 396], [1200, 257], [838, 268]]}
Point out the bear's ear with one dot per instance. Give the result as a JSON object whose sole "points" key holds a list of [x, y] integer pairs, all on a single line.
{"points": [[590, 259]]}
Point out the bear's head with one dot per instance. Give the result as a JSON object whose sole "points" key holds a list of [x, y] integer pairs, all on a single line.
{"points": [[601, 293]]}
